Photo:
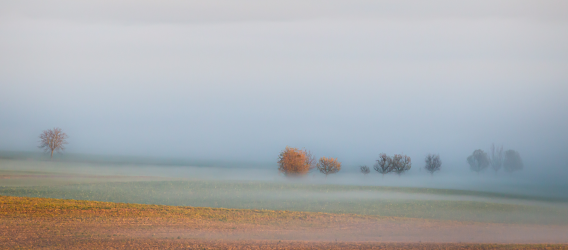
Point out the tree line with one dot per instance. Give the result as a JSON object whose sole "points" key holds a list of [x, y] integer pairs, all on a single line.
{"points": [[299, 162], [293, 162], [510, 160]]}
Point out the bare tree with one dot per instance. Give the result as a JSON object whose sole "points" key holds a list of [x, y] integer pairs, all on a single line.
{"points": [[496, 157], [328, 166], [295, 162], [52, 140], [478, 161], [401, 163], [512, 161], [365, 170], [310, 159], [433, 163], [383, 165]]}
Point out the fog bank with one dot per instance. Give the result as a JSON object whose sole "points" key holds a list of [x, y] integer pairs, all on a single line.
{"points": [[237, 82]]}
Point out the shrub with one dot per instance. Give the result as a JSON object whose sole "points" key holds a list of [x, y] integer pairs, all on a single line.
{"points": [[295, 162], [328, 166]]}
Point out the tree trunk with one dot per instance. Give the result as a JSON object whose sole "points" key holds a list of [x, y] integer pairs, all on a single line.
{"points": [[51, 154]]}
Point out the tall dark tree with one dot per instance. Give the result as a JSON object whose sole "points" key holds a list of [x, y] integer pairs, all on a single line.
{"points": [[383, 165], [478, 161], [433, 163], [512, 161], [496, 157], [365, 170], [401, 164], [53, 140]]}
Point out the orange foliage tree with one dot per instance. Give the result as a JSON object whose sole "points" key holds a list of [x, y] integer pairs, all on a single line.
{"points": [[295, 162], [328, 166]]}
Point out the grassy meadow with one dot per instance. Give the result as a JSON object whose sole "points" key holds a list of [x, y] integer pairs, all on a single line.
{"points": [[61, 181], [77, 205]]}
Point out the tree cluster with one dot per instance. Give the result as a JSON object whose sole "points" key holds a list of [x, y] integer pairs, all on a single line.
{"points": [[397, 164], [510, 160], [294, 162]]}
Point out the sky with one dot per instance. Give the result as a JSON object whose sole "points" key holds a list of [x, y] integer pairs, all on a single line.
{"points": [[241, 80]]}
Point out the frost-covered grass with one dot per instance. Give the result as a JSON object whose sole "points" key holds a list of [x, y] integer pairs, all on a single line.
{"points": [[205, 187], [364, 200]]}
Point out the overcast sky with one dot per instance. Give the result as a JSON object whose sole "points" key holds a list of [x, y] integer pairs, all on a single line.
{"points": [[240, 80]]}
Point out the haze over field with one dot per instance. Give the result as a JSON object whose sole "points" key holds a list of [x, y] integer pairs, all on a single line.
{"points": [[239, 81]]}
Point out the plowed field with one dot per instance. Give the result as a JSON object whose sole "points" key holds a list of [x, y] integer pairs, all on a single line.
{"points": [[32, 223]]}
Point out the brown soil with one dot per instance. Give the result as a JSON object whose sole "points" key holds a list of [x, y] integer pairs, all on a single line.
{"points": [[32, 223]]}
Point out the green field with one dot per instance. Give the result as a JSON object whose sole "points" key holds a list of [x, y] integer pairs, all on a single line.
{"points": [[427, 203]]}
